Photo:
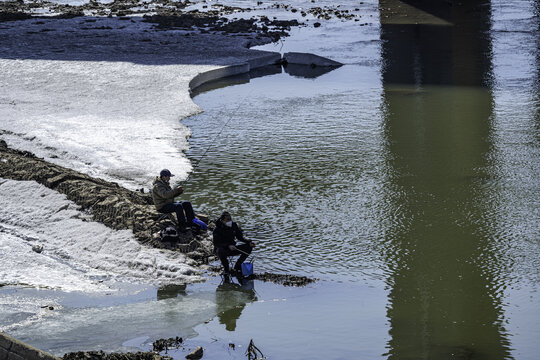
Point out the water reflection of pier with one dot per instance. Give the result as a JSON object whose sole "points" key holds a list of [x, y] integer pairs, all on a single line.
{"points": [[445, 294]]}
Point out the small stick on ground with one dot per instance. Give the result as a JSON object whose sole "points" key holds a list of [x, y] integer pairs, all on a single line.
{"points": [[253, 352]]}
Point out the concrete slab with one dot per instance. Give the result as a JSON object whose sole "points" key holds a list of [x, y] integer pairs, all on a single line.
{"points": [[308, 59]]}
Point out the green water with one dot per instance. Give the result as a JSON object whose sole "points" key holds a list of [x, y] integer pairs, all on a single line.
{"points": [[410, 190], [416, 174]]}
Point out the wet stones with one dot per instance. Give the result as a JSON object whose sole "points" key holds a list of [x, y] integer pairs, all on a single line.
{"points": [[211, 21], [174, 15], [181, 21], [282, 24], [195, 354], [238, 26], [285, 279], [280, 279], [13, 10], [166, 344], [166, 14], [20, 10], [325, 13]]}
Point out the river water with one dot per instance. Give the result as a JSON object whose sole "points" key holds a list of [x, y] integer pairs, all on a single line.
{"points": [[415, 165], [405, 180]]}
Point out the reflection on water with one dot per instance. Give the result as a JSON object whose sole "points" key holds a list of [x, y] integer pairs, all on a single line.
{"points": [[308, 72], [231, 298], [444, 269], [449, 44], [445, 297], [298, 70], [423, 180], [171, 291]]}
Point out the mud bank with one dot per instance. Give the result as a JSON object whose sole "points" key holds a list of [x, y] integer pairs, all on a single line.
{"points": [[166, 15], [177, 14]]}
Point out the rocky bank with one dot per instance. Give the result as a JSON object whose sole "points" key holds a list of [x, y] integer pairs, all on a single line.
{"points": [[107, 202]]}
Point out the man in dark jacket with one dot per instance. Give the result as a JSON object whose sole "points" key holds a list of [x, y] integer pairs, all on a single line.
{"points": [[225, 233], [163, 195]]}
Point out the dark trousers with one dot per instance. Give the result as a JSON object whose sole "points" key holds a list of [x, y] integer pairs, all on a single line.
{"points": [[179, 208], [224, 252]]}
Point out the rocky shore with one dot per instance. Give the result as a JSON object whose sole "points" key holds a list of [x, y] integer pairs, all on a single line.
{"points": [[107, 202], [164, 14], [180, 14]]}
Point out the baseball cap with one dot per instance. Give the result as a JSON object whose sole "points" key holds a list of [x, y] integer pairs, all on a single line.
{"points": [[165, 172]]}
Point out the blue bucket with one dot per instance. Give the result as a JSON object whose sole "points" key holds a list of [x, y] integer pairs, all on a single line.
{"points": [[247, 269]]}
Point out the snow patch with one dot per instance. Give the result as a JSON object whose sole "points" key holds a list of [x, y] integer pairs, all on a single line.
{"points": [[114, 120], [78, 254]]}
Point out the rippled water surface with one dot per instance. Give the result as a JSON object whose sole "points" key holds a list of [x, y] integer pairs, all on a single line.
{"points": [[304, 181], [418, 168]]}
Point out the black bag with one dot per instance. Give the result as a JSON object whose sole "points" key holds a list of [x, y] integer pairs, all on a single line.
{"points": [[169, 234]]}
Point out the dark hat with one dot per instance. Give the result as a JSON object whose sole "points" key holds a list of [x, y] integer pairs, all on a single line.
{"points": [[165, 172]]}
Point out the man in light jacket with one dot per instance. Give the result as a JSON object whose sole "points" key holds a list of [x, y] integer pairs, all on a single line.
{"points": [[163, 195]]}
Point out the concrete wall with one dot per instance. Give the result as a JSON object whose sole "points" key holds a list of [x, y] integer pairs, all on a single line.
{"points": [[309, 59], [264, 60], [13, 349], [210, 75], [231, 70], [270, 59]]}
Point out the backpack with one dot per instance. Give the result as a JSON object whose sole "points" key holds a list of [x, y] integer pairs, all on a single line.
{"points": [[169, 234]]}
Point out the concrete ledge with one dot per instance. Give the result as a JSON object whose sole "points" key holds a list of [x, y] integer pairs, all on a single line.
{"points": [[270, 59], [211, 75], [231, 70], [308, 59], [13, 349]]}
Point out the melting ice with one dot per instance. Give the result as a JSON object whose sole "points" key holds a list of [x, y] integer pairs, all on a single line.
{"points": [[79, 254]]}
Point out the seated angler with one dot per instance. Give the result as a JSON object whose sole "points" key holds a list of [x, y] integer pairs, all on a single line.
{"points": [[225, 235], [163, 195]]}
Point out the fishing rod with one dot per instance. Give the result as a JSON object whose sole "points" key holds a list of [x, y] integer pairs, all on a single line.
{"points": [[211, 144], [243, 252]]}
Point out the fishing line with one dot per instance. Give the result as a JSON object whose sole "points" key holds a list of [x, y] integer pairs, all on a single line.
{"points": [[212, 143]]}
